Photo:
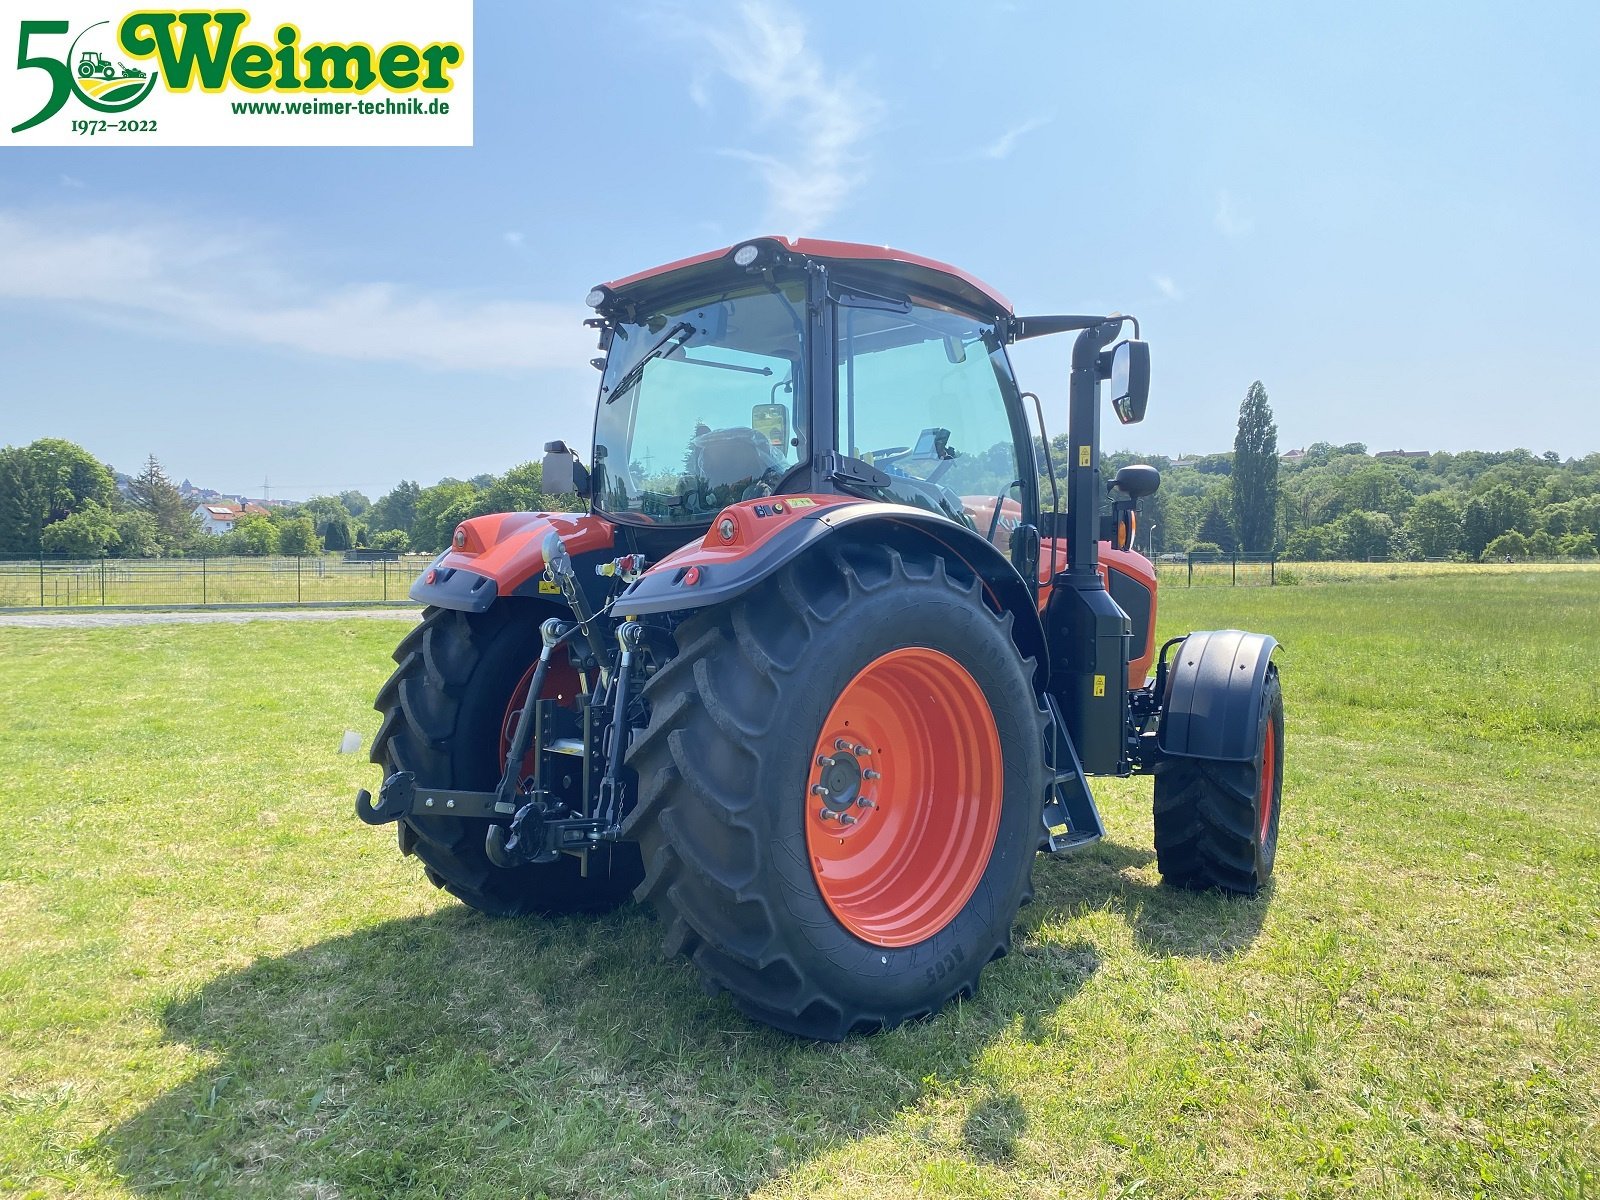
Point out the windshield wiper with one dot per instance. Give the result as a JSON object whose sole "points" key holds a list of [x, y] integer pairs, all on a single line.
{"points": [[682, 331]]}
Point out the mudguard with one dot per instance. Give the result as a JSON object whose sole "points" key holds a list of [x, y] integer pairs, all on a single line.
{"points": [[502, 555], [766, 534], [1213, 703]]}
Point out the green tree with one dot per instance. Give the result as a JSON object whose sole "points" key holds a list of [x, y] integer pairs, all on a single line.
{"points": [[152, 492], [298, 536], [137, 536], [391, 539], [253, 534], [44, 482], [87, 533], [431, 528], [1510, 545], [1433, 526], [355, 503], [397, 509], [1216, 527], [1255, 472], [1366, 535]]}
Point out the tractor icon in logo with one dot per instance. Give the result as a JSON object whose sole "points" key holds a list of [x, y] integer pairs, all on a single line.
{"points": [[95, 63], [103, 84]]}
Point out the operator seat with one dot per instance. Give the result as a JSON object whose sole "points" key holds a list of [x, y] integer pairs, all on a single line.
{"points": [[729, 464]]}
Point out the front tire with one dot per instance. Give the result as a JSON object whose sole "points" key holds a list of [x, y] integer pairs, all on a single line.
{"points": [[1216, 823], [815, 925], [445, 710]]}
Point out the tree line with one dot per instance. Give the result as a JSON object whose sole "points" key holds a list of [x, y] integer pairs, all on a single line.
{"points": [[1341, 502], [56, 498], [1334, 502]]}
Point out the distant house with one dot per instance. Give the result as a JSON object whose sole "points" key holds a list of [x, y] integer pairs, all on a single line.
{"points": [[1401, 454], [1292, 456], [219, 518]]}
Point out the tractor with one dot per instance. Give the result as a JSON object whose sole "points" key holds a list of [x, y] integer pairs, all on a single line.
{"points": [[828, 659], [92, 62]]}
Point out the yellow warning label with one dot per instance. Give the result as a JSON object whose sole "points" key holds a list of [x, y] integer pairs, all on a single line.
{"points": [[1099, 685], [802, 502], [1059, 831], [1083, 456], [549, 587]]}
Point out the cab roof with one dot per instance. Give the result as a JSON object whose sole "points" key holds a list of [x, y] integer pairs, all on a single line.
{"points": [[913, 270]]}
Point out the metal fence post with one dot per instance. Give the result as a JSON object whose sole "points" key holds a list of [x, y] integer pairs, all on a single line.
{"points": [[1272, 572], [385, 565], [1191, 568], [297, 563], [102, 581], [41, 579], [203, 579], [1235, 568]]}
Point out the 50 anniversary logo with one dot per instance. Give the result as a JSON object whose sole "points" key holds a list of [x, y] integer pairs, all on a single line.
{"points": [[217, 78]]}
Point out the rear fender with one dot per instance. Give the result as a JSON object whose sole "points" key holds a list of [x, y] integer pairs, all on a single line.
{"points": [[1213, 703], [502, 555], [720, 568]]}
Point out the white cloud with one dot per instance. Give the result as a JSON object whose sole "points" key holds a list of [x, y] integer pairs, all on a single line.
{"points": [[1166, 286], [109, 268], [1230, 222], [71, 181], [515, 237], [1002, 146], [814, 117]]}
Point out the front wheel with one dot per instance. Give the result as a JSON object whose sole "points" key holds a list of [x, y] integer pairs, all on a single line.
{"points": [[839, 791], [1217, 822]]}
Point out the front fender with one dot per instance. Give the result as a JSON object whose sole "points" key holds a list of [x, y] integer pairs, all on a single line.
{"points": [[1213, 702], [503, 555], [718, 569]]}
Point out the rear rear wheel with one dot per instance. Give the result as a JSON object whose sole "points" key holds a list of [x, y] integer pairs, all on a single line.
{"points": [[446, 711], [1217, 822], [839, 792]]}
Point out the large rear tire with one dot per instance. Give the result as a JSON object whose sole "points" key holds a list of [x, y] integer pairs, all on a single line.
{"points": [[853, 675], [444, 714], [1217, 822]]}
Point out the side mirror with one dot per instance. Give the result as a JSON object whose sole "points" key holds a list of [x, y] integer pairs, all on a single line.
{"points": [[1130, 380], [771, 421], [1137, 481], [561, 471]]}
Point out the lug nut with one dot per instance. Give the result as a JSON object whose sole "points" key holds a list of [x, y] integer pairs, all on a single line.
{"points": [[818, 790], [866, 802], [841, 744], [870, 774], [846, 819], [824, 760], [863, 752], [827, 814], [449, 803]]}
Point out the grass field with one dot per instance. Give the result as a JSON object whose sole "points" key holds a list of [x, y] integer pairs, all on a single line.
{"points": [[216, 982], [162, 581]]}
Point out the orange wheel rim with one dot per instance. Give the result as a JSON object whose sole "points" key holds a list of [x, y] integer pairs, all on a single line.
{"points": [[1269, 774], [903, 797], [560, 685]]}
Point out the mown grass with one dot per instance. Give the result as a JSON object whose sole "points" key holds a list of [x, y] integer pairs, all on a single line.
{"points": [[162, 581], [216, 981]]}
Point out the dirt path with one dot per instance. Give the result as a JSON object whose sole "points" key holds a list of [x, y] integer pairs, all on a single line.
{"points": [[96, 620]]}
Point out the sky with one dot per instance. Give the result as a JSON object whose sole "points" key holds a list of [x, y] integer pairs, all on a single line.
{"points": [[1388, 214]]}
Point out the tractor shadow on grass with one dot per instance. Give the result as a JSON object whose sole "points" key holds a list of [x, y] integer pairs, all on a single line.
{"points": [[451, 1054], [1166, 922]]}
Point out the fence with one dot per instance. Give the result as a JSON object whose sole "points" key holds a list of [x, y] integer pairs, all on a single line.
{"points": [[1218, 570], [106, 582]]}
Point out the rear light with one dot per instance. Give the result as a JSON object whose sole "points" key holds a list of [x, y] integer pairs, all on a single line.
{"points": [[459, 538], [691, 577]]}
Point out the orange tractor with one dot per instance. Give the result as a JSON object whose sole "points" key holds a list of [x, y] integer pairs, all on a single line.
{"points": [[829, 658]]}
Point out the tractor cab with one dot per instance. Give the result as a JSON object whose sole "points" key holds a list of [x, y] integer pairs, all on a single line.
{"points": [[809, 368]]}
